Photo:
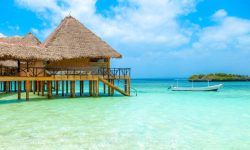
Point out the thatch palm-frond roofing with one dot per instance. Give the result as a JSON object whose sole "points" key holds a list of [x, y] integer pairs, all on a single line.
{"points": [[29, 40], [73, 40], [10, 51], [25, 48]]}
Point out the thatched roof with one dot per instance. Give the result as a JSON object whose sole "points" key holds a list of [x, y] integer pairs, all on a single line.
{"points": [[73, 40], [25, 48], [29, 40], [23, 52]]}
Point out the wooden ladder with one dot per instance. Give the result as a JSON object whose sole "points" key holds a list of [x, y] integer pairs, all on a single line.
{"points": [[113, 86]]}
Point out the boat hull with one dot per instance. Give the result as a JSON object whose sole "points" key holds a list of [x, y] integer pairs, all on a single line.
{"points": [[209, 88]]}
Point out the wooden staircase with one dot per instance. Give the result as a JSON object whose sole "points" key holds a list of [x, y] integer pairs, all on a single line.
{"points": [[113, 86]]}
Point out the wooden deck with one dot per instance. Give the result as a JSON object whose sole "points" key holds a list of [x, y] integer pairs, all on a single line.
{"points": [[65, 83]]}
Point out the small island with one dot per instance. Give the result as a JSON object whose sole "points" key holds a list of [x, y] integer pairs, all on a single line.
{"points": [[218, 77]]}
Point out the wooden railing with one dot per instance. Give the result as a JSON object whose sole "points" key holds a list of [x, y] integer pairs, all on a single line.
{"points": [[40, 71]]}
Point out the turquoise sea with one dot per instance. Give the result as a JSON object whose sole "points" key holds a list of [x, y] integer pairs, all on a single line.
{"points": [[156, 119]]}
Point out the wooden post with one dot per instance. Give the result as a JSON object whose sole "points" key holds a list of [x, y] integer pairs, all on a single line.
{"points": [[19, 89], [57, 87], [83, 88], [42, 87], [113, 91], [126, 86], [97, 88], [38, 87], [27, 84], [34, 86], [109, 90], [15, 86], [80, 88], [24, 85], [49, 89], [67, 87], [71, 91], [90, 88], [129, 86], [74, 89], [10, 82], [7, 86], [62, 87], [104, 88]]}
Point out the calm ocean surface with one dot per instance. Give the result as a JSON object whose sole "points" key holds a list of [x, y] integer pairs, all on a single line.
{"points": [[155, 119]]}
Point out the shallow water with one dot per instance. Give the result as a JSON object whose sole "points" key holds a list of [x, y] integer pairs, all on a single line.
{"points": [[155, 119]]}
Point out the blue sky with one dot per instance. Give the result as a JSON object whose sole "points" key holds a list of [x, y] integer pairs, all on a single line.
{"points": [[160, 38]]}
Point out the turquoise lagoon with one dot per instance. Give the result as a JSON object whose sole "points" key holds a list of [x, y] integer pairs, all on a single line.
{"points": [[155, 119]]}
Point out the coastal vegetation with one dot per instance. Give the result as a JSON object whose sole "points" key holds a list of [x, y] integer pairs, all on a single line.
{"points": [[218, 77]]}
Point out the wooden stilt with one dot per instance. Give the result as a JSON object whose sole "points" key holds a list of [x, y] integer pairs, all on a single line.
{"points": [[7, 86], [80, 88], [27, 88], [104, 88], [49, 89], [113, 90], [19, 86], [97, 88], [15, 88], [24, 85], [42, 87], [129, 87], [57, 87], [74, 89], [67, 87], [38, 87], [71, 89], [34, 87], [126, 86], [62, 87], [109, 90], [83, 88], [90, 88]]}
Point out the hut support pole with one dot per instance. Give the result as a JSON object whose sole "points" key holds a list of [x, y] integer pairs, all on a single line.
{"points": [[42, 87], [104, 88], [62, 87], [38, 87], [57, 87], [15, 86], [80, 88], [7, 86], [49, 89], [27, 90], [97, 87], [67, 87], [126, 86], [34, 87], [19, 90]]}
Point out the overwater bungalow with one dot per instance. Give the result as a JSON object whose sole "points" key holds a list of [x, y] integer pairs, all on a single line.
{"points": [[71, 54]]}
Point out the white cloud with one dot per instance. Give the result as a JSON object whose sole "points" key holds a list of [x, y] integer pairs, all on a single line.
{"points": [[150, 35], [133, 21], [2, 35]]}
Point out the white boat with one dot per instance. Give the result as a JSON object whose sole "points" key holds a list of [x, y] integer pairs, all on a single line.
{"points": [[206, 88]]}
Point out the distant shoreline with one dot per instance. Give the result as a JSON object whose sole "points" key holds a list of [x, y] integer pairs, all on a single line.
{"points": [[219, 77]]}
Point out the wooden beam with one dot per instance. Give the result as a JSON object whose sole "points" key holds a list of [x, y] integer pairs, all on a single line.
{"points": [[67, 87]]}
